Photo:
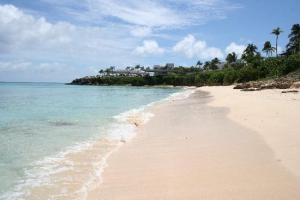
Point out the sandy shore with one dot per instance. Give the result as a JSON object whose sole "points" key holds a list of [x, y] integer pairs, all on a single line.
{"points": [[272, 114], [223, 145]]}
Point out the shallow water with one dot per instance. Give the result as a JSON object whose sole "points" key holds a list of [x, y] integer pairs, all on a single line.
{"points": [[55, 138]]}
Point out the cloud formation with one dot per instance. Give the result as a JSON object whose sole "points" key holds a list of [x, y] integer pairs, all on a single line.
{"points": [[189, 47], [22, 66], [23, 71], [152, 13], [233, 47], [150, 47], [141, 32], [14, 66], [99, 33], [23, 34]]}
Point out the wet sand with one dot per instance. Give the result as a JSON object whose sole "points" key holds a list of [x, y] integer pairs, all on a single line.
{"points": [[202, 148]]}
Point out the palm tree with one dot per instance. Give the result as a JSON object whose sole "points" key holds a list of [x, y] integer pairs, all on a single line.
{"points": [[206, 65], [276, 32], [199, 63], [137, 67], [107, 71], [231, 57], [112, 68], [128, 69], [268, 49], [101, 72], [180, 69], [294, 45], [250, 52], [214, 63]]}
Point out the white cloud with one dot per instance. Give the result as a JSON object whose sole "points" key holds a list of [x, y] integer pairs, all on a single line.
{"points": [[239, 49], [279, 50], [21, 31], [190, 48], [150, 47], [93, 70], [14, 66], [145, 13], [22, 66], [9, 13], [29, 37], [141, 32], [233, 47], [20, 70], [152, 13], [97, 33], [26, 36]]}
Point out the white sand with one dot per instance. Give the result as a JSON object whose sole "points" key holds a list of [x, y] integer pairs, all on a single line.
{"points": [[271, 113], [190, 150]]}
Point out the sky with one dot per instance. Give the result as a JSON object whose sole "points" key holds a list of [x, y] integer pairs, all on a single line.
{"points": [[60, 40]]}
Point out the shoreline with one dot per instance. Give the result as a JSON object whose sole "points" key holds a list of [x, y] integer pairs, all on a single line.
{"points": [[191, 149]]}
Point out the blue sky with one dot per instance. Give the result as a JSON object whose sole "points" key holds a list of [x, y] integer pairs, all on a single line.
{"points": [[60, 40]]}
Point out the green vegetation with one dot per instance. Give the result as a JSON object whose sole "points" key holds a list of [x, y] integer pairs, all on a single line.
{"points": [[251, 66]]}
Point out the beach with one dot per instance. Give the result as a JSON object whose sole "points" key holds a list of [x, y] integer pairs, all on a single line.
{"points": [[218, 143]]}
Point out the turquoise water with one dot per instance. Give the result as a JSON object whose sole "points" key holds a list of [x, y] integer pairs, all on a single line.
{"points": [[55, 138]]}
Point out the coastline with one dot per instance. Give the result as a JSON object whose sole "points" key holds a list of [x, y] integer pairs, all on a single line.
{"points": [[76, 132], [191, 150]]}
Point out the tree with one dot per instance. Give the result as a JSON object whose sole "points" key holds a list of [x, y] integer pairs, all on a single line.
{"points": [[112, 68], [107, 71], [137, 67], [206, 65], [294, 45], [192, 69], [128, 68], [249, 53], [231, 57], [199, 63], [214, 63], [101, 72], [276, 32], [268, 49], [180, 69]]}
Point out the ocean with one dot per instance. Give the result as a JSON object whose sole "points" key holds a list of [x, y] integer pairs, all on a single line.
{"points": [[55, 138]]}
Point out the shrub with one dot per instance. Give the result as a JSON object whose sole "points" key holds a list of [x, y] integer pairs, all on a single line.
{"points": [[292, 63], [216, 77], [230, 77], [248, 74]]}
